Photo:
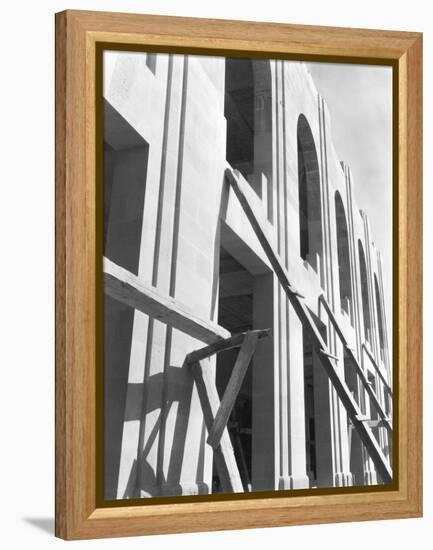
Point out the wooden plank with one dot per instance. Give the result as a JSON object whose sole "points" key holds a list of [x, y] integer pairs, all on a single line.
{"points": [[375, 423], [371, 393], [378, 370], [408, 248], [381, 464], [371, 423], [224, 457], [62, 442], [127, 288], [232, 390], [366, 435], [223, 345], [233, 37], [322, 301]]}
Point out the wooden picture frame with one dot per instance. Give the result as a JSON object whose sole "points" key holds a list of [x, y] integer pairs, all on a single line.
{"points": [[79, 38]]}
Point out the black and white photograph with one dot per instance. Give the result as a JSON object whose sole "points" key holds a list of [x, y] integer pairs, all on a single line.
{"points": [[247, 275]]}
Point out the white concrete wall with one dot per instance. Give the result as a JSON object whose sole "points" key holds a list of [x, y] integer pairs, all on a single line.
{"points": [[171, 110]]}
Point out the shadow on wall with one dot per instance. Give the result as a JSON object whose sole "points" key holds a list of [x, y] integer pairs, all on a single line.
{"points": [[180, 392], [125, 173], [143, 479]]}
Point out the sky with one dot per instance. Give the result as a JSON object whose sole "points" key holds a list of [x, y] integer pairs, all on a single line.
{"points": [[359, 99]]}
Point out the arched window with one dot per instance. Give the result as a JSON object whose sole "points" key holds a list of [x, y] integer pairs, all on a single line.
{"points": [[379, 317], [310, 208], [343, 257], [364, 292]]}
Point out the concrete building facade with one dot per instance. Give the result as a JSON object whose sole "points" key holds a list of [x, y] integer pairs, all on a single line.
{"points": [[173, 125]]}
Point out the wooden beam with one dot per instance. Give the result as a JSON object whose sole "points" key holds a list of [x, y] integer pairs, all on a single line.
{"points": [[382, 466], [223, 345], [234, 385], [124, 286], [224, 457], [374, 423], [350, 352], [378, 370]]}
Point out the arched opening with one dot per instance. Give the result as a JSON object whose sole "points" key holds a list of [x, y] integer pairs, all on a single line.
{"points": [[364, 292], [248, 110], [310, 208], [379, 318], [343, 257]]}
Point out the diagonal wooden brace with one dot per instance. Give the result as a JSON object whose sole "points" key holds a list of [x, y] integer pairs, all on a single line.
{"points": [[234, 341], [224, 457], [234, 385], [358, 369], [381, 463], [131, 290], [378, 370]]}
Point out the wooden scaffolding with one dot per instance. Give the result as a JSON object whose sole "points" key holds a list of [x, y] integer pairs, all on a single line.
{"points": [[126, 287]]}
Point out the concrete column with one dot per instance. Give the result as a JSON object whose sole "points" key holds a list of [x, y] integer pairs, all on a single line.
{"points": [[133, 107], [373, 316], [323, 426], [343, 475], [371, 475], [323, 391], [358, 455], [332, 436], [293, 463], [384, 320], [185, 460], [298, 477], [152, 438], [265, 421]]}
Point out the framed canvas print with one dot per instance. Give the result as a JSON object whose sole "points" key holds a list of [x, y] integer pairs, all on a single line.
{"points": [[238, 274]]}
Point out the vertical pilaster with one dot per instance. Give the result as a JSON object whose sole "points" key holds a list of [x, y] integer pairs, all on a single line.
{"points": [[131, 459], [187, 459], [265, 421], [386, 349], [332, 438], [284, 370], [373, 315], [357, 451], [289, 403]]}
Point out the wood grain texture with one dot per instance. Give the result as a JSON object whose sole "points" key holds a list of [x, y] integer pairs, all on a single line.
{"points": [[77, 268], [60, 247], [224, 457], [248, 36], [233, 387], [124, 286], [75, 281], [411, 290], [224, 345]]}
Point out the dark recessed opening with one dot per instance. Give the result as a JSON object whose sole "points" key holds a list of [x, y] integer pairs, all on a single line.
{"points": [[236, 315]]}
